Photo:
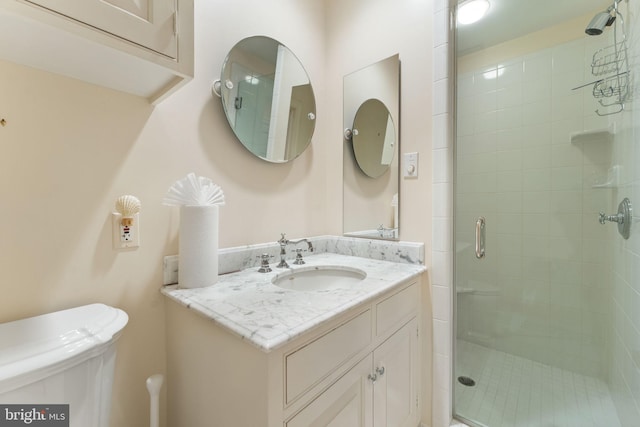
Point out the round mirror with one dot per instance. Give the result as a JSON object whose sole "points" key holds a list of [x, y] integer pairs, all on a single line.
{"points": [[268, 99], [374, 138]]}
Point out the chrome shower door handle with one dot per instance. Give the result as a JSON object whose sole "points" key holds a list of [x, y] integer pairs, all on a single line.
{"points": [[480, 236]]}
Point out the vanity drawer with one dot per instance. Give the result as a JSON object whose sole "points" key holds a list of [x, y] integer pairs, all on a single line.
{"points": [[393, 310], [306, 366]]}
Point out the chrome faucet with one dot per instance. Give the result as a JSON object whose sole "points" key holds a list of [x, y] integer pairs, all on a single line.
{"points": [[283, 253], [386, 232], [283, 242]]}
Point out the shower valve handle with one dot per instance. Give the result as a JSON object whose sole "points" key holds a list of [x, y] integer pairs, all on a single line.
{"points": [[623, 218], [619, 218]]}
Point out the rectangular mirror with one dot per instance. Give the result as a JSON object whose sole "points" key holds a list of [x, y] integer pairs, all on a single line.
{"points": [[371, 151]]}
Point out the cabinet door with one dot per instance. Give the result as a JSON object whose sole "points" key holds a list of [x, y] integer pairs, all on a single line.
{"points": [[395, 391], [347, 403], [148, 23]]}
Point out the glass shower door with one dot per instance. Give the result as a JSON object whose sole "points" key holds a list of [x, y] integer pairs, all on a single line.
{"points": [[547, 320]]}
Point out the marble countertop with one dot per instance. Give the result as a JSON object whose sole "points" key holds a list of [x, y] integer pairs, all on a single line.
{"points": [[247, 303]]}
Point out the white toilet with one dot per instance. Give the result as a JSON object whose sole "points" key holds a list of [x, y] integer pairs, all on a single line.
{"points": [[66, 357]]}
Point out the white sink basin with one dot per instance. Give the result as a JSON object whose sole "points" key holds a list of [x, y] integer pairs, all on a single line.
{"points": [[319, 278]]}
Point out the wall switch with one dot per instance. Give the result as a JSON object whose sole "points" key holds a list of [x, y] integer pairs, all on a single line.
{"points": [[125, 236], [410, 165]]}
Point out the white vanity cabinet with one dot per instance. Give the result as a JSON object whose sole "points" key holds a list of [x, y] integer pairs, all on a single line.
{"points": [[359, 369], [141, 47], [379, 391], [395, 392]]}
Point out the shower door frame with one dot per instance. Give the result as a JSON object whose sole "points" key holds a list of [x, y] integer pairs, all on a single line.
{"points": [[454, 168]]}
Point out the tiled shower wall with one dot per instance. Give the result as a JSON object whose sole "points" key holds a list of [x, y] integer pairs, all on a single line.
{"points": [[540, 291], [623, 345]]}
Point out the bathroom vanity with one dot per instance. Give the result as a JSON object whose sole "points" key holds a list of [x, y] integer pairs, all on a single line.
{"points": [[246, 352]]}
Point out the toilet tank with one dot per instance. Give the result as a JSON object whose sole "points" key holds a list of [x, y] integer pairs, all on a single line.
{"points": [[66, 357]]}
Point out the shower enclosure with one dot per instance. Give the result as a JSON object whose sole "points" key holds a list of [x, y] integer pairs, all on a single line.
{"points": [[546, 147]]}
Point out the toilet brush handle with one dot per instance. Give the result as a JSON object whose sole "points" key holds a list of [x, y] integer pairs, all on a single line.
{"points": [[154, 384]]}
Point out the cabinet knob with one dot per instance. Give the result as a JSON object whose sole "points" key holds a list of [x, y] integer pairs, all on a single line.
{"points": [[380, 371], [373, 377]]}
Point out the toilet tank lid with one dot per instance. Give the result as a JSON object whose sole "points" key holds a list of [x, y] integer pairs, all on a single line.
{"points": [[55, 340]]}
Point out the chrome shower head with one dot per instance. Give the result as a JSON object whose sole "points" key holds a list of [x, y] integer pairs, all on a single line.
{"points": [[599, 22], [602, 20]]}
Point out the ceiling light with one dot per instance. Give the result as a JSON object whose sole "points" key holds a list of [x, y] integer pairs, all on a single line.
{"points": [[472, 11]]}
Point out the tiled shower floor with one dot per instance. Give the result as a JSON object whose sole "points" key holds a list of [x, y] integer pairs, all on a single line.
{"points": [[511, 391]]}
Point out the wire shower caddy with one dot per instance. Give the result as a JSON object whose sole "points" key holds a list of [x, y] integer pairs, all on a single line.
{"points": [[613, 89], [611, 63]]}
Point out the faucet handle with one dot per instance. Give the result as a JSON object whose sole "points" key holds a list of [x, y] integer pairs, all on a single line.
{"points": [[264, 263], [299, 260]]}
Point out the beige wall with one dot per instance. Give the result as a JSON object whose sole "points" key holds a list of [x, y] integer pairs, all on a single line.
{"points": [[69, 149], [359, 33]]}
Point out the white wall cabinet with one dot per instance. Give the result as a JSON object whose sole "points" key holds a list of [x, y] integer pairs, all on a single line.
{"points": [[361, 369], [148, 23], [143, 47]]}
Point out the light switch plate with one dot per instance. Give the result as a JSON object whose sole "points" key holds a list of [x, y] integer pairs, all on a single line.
{"points": [[410, 165]]}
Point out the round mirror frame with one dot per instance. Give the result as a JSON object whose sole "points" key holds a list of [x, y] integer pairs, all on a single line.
{"points": [[373, 137], [267, 99]]}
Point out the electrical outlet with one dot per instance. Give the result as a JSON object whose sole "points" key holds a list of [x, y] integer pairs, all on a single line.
{"points": [[125, 236], [170, 270]]}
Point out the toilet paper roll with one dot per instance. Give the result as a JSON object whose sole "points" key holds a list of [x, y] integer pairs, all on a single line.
{"points": [[198, 246]]}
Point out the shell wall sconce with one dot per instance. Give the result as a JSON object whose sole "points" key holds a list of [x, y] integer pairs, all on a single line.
{"points": [[126, 223]]}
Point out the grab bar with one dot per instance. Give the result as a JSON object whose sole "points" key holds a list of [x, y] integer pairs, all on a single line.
{"points": [[480, 232]]}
